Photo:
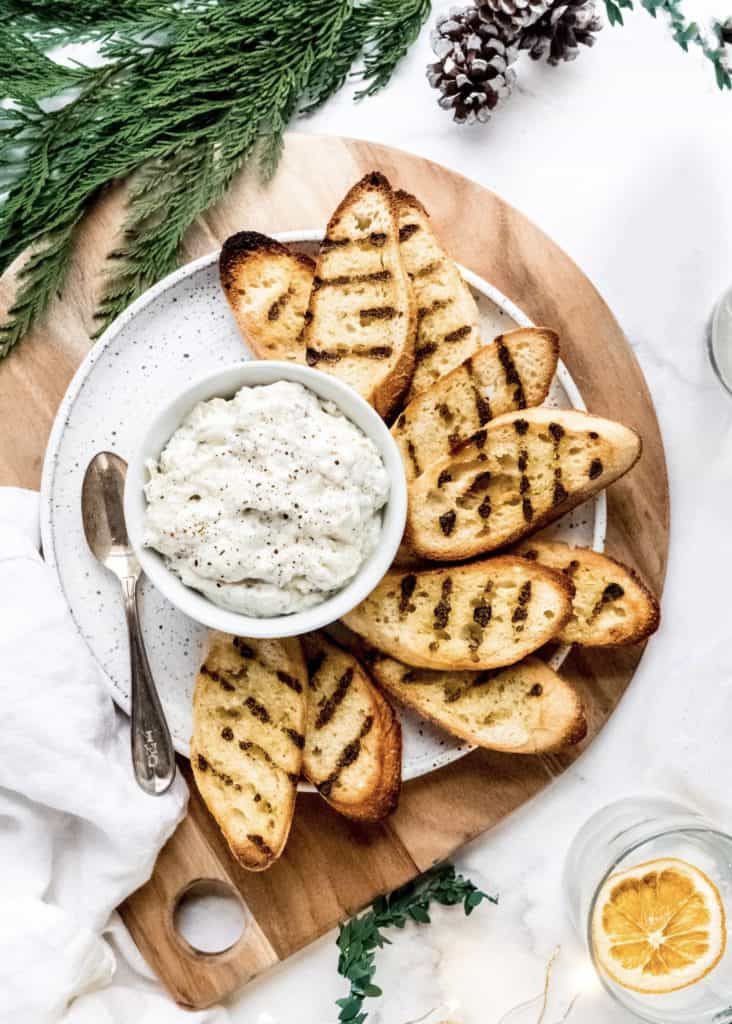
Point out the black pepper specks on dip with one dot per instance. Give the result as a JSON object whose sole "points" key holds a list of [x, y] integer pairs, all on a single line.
{"points": [[267, 503]]}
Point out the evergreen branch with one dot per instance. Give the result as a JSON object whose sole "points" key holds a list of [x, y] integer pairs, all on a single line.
{"points": [[27, 74], [165, 200], [330, 75], [360, 937], [393, 32], [270, 151], [190, 91], [55, 22], [40, 278], [684, 32]]}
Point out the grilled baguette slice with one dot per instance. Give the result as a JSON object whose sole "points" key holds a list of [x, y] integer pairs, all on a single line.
{"points": [[512, 372], [518, 473], [478, 616], [249, 716], [447, 314], [360, 321], [268, 288], [523, 709], [353, 739], [611, 605]]}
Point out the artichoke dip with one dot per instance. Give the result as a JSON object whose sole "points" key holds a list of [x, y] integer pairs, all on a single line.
{"points": [[268, 502]]}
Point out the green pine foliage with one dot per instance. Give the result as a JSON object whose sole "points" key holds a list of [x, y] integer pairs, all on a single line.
{"points": [[186, 95]]}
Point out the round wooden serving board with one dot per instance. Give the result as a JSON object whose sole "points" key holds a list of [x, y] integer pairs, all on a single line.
{"points": [[331, 867]]}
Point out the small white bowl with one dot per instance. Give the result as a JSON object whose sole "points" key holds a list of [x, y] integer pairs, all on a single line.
{"points": [[225, 384]]}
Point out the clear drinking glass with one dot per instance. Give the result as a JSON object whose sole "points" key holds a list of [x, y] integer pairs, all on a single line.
{"points": [[720, 340], [632, 832]]}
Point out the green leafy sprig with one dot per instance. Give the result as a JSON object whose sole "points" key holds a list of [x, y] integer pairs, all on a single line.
{"points": [[186, 95], [360, 937], [685, 32]]}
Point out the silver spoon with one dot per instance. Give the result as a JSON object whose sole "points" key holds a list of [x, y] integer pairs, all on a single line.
{"points": [[153, 758]]}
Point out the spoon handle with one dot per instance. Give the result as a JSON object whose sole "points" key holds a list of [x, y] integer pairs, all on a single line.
{"points": [[153, 758]]}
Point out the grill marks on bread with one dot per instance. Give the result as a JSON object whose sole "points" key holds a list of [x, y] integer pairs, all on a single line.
{"points": [[483, 615], [443, 607], [353, 739], [521, 611], [519, 472], [482, 402], [348, 756], [524, 709], [249, 719], [374, 240], [447, 315], [343, 280], [441, 419], [511, 373], [527, 509], [360, 322], [327, 706], [559, 491], [283, 307], [611, 605], [268, 288], [334, 355], [482, 608], [279, 304]]}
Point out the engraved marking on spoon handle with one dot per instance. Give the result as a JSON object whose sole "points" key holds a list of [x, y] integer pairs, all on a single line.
{"points": [[153, 758]]}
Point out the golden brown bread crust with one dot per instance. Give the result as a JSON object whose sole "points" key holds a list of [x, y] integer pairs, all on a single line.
{"points": [[447, 317], [384, 799], [512, 372], [481, 615], [385, 393], [568, 732], [602, 585], [388, 394], [361, 777], [468, 533], [242, 245], [525, 708], [249, 710], [272, 327], [406, 199]]}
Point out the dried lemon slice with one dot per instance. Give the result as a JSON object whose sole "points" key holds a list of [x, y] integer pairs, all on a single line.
{"points": [[659, 926]]}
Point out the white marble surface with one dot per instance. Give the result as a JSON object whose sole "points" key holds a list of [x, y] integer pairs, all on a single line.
{"points": [[625, 158]]}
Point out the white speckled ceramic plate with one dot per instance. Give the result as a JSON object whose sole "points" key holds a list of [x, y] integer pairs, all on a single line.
{"points": [[177, 331]]}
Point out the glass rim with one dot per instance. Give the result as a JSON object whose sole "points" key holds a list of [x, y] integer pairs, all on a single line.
{"points": [[710, 347], [700, 825]]}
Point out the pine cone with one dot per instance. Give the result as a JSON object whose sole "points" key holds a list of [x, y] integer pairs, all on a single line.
{"points": [[512, 15], [473, 72], [559, 32]]}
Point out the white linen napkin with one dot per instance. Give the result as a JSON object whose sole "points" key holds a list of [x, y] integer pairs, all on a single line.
{"points": [[77, 834]]}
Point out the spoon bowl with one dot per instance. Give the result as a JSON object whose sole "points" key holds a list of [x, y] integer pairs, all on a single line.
{"points": [[103, 514]]}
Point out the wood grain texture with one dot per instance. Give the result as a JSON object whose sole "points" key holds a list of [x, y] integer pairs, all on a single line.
{"points": [[332, 867]]}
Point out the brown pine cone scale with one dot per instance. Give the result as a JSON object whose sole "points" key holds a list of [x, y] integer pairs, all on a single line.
{"points": [[473, 71], [512, 14], [558, 34]]}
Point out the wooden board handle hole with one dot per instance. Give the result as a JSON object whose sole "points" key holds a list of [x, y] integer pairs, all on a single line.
{"points": [[209, 918]]}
